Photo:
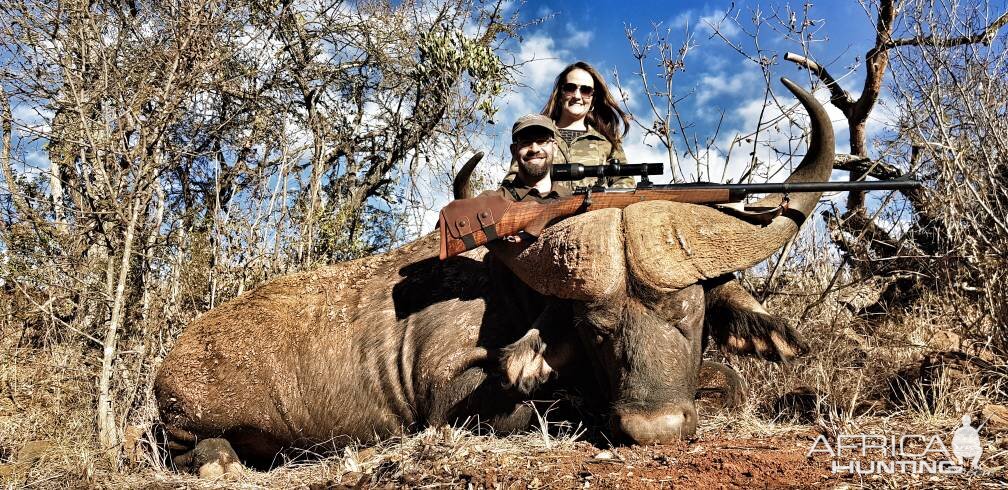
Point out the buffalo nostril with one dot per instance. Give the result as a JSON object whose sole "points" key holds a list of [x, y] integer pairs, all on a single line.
{"points": [[668, 424]]}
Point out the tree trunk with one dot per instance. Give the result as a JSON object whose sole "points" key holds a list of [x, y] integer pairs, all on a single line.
{"points": [[858, 147], [108, 429], [20, 203], [152, 237], [314, 191], [56, 188]]}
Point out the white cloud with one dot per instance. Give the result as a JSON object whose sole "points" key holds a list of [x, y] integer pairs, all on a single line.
{"points": [[516, 104], [733, 150], [711, 61], [748, 113], [712, 85], [578, 37], [884, 116], [716, 21], [778, 132], [651, 152], [545, 13], [630, 91], [542, 61], [34, 119], [36, 162], [683, 20]]}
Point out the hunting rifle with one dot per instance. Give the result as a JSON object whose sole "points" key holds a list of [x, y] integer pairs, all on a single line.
{"points": [[469, 223]]}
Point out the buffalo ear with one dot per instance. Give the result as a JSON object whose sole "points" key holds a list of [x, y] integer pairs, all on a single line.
{"points": [[738, 324], [756, 334]]}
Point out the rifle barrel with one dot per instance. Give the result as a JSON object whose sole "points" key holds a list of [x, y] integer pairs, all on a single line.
{"points": [[739, 191], [876, 185]]}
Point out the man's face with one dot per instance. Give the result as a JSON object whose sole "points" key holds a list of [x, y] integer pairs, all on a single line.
{"points": [[534, 148]]}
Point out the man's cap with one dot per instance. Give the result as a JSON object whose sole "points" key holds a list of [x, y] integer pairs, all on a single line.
{"points": [[530, 120]]}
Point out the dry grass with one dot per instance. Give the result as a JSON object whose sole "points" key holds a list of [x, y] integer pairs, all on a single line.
{"points": [[47, 399], [436, 456], [46, 416]]}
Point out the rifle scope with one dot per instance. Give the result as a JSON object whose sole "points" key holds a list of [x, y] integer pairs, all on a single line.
{"points": [[577, 171]]}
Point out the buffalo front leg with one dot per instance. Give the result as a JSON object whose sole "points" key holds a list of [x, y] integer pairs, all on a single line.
{"points": [[531, 361], [479, 398], [523, 364], [211, 458]]}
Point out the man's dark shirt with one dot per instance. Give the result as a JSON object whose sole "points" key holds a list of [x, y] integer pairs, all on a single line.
{"points": [[517, 190]]}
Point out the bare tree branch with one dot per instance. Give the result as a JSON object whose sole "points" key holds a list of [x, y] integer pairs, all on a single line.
{"points": [[20, 203], [873, 168], [984, 37], [839, 97]]}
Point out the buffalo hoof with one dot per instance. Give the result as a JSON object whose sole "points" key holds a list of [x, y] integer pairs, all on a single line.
{"points": [[212, 459], [671, 423], [721, 386]]}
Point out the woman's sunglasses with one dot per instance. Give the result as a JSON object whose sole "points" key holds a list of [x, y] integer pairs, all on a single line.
{"points": [[570, 88]]}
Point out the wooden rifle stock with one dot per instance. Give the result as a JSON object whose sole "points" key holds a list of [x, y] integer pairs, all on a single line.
{"points": [[470, 223]]}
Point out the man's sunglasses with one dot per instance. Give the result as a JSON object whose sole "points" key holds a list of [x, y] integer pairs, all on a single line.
{"points": [[539, 140], [570, 88]]}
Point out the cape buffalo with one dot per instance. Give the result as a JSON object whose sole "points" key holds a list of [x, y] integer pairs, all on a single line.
{"points": [[372, 347]]}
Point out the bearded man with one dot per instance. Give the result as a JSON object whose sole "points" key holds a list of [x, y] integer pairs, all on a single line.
{"points": [[533, 146]]}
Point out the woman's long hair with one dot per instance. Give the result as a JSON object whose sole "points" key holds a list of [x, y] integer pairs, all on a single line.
{"points": [[605, 114]]}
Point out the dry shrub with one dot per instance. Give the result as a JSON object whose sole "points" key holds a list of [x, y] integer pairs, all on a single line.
{"points": [[47, 422], [918, 366]]}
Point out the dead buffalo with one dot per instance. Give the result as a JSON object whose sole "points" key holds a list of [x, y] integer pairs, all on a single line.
{"points": [[388, 343]]}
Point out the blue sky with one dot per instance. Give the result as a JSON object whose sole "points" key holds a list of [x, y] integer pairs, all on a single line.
{"points": [[716, 77]]}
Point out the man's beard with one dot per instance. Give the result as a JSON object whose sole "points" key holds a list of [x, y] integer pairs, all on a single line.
{"points": [[533, 172]]}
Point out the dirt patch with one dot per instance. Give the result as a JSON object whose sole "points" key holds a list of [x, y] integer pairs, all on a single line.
{"points": [[732, 463], [722, 463]]}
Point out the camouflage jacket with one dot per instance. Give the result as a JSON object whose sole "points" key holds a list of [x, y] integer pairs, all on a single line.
{"points": [[590, 148]]}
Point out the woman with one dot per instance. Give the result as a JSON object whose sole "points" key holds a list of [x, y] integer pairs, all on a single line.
{"points": [[590, 122]]}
